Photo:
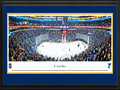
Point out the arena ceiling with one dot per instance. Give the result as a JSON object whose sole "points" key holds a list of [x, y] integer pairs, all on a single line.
{"points": [[59, 18]]}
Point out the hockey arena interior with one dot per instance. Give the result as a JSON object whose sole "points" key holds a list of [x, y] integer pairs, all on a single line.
{"points": [[60, 38]]}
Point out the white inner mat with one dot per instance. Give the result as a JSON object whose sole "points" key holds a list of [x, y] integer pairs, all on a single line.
{"points": [[61, 50]]}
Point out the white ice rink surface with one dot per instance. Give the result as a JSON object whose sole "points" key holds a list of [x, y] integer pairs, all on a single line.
{"points": [[61, 50]]}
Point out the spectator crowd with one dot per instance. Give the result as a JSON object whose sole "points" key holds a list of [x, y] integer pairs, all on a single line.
{"points": [[22, 41], [22, 45]]}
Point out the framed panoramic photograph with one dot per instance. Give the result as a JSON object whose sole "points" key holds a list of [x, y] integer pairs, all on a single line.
{"points": [[60, 44]]}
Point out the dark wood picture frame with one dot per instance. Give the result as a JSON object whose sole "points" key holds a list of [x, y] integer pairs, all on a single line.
{"points": [[60, 3]]}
